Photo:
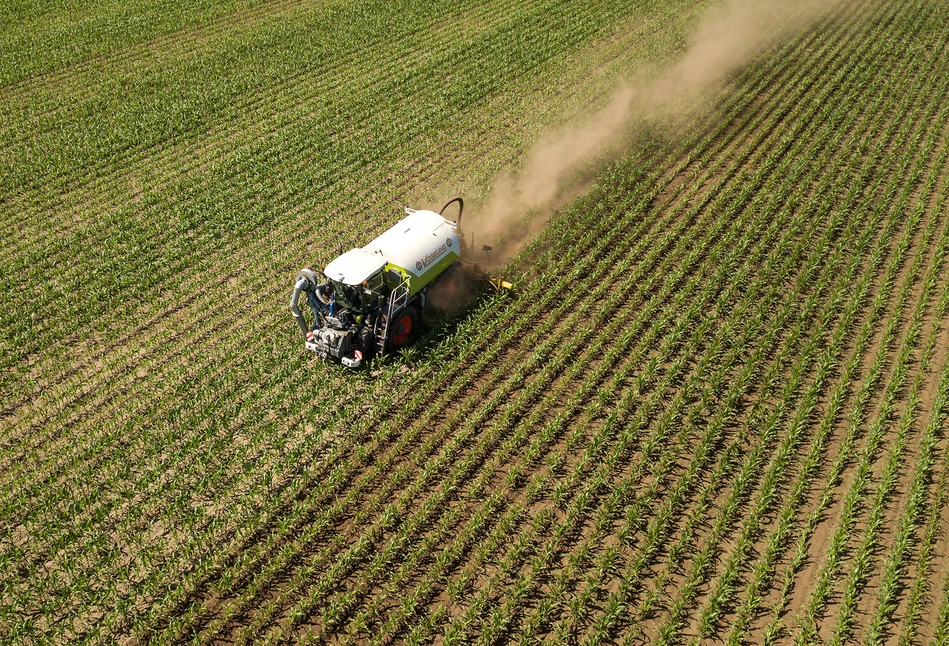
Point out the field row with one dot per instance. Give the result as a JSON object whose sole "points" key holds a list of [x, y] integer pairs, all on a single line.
{"points": [[713, 408]]}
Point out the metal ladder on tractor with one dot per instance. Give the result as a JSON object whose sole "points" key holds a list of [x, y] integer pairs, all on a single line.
{"points": [[397, 300]]}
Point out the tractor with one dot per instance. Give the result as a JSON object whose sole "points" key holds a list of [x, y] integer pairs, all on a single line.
{"points": [[370, 301]]}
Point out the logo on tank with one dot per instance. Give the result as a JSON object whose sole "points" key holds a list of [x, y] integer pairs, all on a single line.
{"points": [[435, 255]]}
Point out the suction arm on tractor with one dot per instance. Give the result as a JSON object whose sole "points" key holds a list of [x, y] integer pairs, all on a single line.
{"points": [[306, 283]]}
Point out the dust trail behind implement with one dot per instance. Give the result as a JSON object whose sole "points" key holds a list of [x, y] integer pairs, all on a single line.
{"points": [[728, 36]]}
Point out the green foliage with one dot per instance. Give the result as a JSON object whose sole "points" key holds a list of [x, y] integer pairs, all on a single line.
{"points": [[722, 365]]}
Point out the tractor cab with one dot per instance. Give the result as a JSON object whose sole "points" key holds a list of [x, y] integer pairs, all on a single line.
{"points": [[358, 280]]}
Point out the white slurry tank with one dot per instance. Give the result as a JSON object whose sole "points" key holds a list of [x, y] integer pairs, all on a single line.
{"points": [[417, 249]]}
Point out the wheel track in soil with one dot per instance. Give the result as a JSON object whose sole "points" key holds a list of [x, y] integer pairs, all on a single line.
{"points": [[923, 571], [825, 503], [908, 346], [780, 540], [729, 547], [928, 565], [888, 602]]}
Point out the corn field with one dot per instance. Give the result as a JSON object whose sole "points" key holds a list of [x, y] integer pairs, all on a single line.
{"points": [[712, 410]]}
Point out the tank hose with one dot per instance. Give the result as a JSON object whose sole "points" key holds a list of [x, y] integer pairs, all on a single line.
{"points": [[461, 208]]}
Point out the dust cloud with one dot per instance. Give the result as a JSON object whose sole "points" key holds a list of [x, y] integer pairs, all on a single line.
{"points": [[552, 175]]}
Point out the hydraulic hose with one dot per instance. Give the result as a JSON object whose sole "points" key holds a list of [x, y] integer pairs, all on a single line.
{"points": [[461, 208]]}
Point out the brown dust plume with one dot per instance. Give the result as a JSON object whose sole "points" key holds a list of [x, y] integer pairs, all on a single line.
{"points": [[728, 36]]}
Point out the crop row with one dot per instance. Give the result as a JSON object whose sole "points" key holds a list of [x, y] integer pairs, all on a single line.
{"points": [[539, 435]]}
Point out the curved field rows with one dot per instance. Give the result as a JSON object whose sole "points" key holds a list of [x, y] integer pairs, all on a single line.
{"points": [[713, 409]]}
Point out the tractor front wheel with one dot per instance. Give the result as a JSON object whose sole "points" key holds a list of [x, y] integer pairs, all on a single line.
{"points": [[403, 326]]}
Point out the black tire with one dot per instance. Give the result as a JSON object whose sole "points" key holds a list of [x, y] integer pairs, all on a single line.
{"points": [[402, 329]]}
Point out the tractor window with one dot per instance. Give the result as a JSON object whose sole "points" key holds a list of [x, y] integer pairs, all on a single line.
{"points": [[375, 282], [346, 296], [356, 298]]}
